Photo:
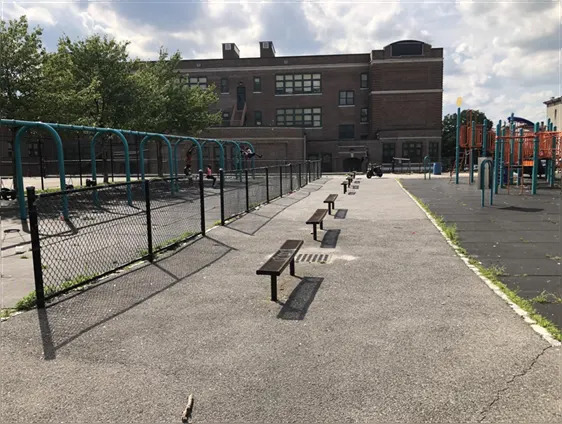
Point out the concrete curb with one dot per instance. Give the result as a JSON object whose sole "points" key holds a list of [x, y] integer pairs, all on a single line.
{"points": [[543, 332]]}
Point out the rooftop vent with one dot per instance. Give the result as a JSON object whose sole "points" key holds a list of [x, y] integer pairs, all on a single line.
{"points": [[230, 51], [267, 49]]}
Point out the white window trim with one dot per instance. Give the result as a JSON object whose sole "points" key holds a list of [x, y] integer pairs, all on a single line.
{"points": [[346, 105]]}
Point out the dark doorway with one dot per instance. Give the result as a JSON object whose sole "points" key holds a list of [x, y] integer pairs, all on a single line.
{"points": [[240, 97], [352, 164]]}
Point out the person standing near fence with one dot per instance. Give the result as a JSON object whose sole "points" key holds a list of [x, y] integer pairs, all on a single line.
{"points": [[210, 176]]}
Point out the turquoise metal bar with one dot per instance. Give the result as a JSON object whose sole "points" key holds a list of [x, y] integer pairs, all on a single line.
{"points": [[484, 137], [221, 150], [426, 166], [19, 173], [535, 160], [199, 152], [170, 156], [457, 145]]}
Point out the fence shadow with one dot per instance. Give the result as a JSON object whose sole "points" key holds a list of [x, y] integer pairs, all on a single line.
{"points": [[79, 312], [296, 306]]}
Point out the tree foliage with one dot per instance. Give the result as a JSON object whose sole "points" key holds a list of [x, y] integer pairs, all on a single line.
{"points": [[21, 59], [450, 127]]}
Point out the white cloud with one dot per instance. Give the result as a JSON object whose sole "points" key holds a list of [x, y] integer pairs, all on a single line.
{"points": [[35, 14]]}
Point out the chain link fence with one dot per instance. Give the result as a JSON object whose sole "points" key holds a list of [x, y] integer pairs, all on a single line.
{"points": [[82, 234]]}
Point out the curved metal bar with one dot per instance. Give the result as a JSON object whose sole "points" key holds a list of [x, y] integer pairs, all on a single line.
{"points": [[19, 173], [199, 151], [170, 156], [119, 134], [253, 157], [221, 150], [482, 183]]}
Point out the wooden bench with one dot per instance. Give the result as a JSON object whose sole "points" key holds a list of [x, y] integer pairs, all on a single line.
{"points": [[278, 262], [344, 184], [317, 218], [331, 201]]}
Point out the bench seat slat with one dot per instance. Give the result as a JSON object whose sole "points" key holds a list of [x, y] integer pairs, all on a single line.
{"points": [[331, 198], [318, 216], [279, 261]]}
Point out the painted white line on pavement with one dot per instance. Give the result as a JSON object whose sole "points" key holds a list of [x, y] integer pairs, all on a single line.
{"points": [[543, 332]]}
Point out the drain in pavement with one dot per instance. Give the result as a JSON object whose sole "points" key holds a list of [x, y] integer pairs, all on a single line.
{"points": [[351, 193], [355, 187], [316, 258]]}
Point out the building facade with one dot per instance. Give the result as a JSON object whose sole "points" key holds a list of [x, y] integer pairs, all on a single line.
{"points": [[346, 110], [553, 109]]}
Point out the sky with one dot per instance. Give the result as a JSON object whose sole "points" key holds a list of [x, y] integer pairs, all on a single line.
{"points": [[500, 56]]}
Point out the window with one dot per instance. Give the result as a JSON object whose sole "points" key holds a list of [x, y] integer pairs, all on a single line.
{"points": [[347, 131], [226, 119], [298, 83], [257, 84], [412, 150], [365, 80], [33, 148], [364, 114], [407, 49], [224, 85], [301, 117], [346, 98], [198, 82], [364, 136], [434, 150], [388, 150], [257, 118]]}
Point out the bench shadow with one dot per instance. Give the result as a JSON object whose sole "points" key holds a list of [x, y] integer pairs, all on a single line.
{"points": [[340, 214], [296, 306], [74, 315], [330, 239]]}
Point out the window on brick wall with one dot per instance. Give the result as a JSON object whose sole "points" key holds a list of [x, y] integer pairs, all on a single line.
{"points": [[434, 151], [197, 82], [412, 150], [388, 152], [257, 118], [226, 118], [299, 117], [298, 83], [346, 131], [364, 114], [365, 80], [257, 84], [347, 97], [224, 85]]}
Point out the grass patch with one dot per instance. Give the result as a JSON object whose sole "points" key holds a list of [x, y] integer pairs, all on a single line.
{"points": [[29, 301], [554, 258], [494, 273]]}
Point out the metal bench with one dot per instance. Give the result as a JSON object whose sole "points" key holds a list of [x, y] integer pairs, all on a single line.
{"points": [[331, 201], [344, 184], [317, 218], [278, 262]]}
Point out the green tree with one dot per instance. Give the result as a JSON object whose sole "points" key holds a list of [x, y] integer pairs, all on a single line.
{"points": [[21, 60], [165, 104], [448, 133]]}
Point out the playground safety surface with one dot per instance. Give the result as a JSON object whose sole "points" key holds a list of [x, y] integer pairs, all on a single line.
{"points": [[393, 327], [521, 233]]}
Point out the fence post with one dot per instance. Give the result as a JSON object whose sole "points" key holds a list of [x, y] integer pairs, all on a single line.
{"points": [[291, 175], [221, 184], [247, 191], [35, 248], [148, 219], [300, 176], [267, 184], [202, 201], [308, 171], [280, 181]]}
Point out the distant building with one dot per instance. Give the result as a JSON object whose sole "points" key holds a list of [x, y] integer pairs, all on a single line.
{"points": [[553, 109], [345, 109]]}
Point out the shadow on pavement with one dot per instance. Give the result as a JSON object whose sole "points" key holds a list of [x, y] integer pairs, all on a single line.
{"points": [[330, 239], [340, 214], [76, 314], [296, 306]]}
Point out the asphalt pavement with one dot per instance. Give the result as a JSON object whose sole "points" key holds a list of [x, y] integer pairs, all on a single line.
{"points": [[389, 326]]}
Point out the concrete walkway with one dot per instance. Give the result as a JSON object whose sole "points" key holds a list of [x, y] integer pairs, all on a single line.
{"points": [[391, 327]]}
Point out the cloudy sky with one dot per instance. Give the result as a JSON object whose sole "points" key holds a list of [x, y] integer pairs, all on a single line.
{"points": [[500, 56]]}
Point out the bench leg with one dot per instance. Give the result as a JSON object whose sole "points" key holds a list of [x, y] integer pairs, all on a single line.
{"points": [[292, 266], [329, 208], [314, 230], [321, 225], [344, 189], [274, 288]]}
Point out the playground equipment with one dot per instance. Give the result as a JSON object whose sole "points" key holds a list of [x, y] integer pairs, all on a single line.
{"points": [[426, 167], [52, 130], [516, 146]]}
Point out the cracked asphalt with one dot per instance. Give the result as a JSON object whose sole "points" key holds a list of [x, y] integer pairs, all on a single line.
{"points": [[392, 327]]}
